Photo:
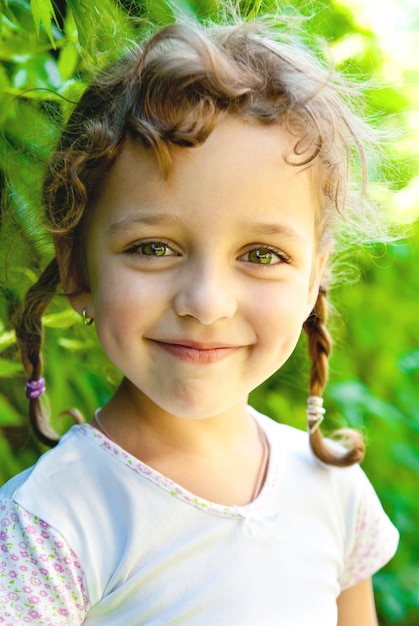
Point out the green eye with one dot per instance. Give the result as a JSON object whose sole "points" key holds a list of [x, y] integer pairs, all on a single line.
{"points": [[155, 249], [262, 256]]}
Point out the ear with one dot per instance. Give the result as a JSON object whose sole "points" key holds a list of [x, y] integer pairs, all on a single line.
{"points": [[319, 265], [73, 281]]}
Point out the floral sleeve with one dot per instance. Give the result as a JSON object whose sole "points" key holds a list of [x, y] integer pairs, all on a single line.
{"points": [[374, 543], [41, 581]]}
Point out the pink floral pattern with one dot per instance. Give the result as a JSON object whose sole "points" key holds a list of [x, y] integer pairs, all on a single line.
{"points": [[374, 545], [41, 580]]}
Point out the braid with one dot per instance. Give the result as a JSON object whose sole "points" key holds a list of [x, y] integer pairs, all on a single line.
{"points": [[29, 333], [319, 349], [319, 344]]}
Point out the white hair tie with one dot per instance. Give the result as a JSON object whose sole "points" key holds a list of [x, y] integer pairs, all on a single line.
{"points": [[315, 413]]}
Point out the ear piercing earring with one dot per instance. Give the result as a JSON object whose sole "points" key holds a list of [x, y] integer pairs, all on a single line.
{"points": [[87, 321]]}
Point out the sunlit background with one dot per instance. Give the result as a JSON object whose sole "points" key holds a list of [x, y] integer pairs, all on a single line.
{"points": [[395, 24]]}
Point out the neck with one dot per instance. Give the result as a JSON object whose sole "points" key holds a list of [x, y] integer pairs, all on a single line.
{"points": [[231, 444], [134, 421]]}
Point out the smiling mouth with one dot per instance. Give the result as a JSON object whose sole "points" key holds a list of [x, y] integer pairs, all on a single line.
{"points": [[197, 353]]}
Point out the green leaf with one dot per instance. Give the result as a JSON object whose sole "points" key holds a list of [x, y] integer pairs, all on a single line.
{"points": [[43, 13], [8, 414], [7, 339], [62, 319], [103, 27], [8, 369], [181, 8], [68, 60]]}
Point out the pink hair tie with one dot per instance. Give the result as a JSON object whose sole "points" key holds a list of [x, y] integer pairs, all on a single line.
{"points": [[35, 388]]}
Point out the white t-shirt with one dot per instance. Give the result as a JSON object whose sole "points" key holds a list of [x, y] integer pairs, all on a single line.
{"points": [[90, 535]]}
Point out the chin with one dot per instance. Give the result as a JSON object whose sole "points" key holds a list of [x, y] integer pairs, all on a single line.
{"points": [[199, 410]]}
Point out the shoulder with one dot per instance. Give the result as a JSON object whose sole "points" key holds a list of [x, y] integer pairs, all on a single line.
{"points": [[36, 552], [67, 487], [38, 562], [77, 490], [55, 471], [293, 446], [344, 498], [346, 488], [282, 435]]}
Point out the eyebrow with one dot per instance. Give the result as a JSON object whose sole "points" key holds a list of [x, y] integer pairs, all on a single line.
{"points": [[265, 228], [151, 219], [158, 219]]}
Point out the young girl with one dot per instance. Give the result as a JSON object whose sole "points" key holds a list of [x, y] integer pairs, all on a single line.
{"points": [[193, 199]]}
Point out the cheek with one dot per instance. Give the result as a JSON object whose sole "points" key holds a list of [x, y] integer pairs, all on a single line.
{"points": [[278, 315], [289, 299], [112, 307], [123, 302]]}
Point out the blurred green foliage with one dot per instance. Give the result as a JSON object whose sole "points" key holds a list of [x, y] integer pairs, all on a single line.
{"points": [[48, 50]]}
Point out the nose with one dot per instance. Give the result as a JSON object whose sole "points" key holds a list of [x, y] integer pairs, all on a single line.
{"points": [[205, 292]]}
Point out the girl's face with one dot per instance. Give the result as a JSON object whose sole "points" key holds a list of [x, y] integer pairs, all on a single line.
{"points": [[200, 283]]}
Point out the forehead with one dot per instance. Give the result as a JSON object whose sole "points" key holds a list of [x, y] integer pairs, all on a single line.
{"points": [[241, 168]]}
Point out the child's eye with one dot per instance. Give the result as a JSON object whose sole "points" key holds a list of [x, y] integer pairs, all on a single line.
{"points": [[265, 255], [151, 249]]}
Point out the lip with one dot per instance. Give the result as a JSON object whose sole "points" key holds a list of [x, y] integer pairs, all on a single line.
{"points": [[195, 352]]}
